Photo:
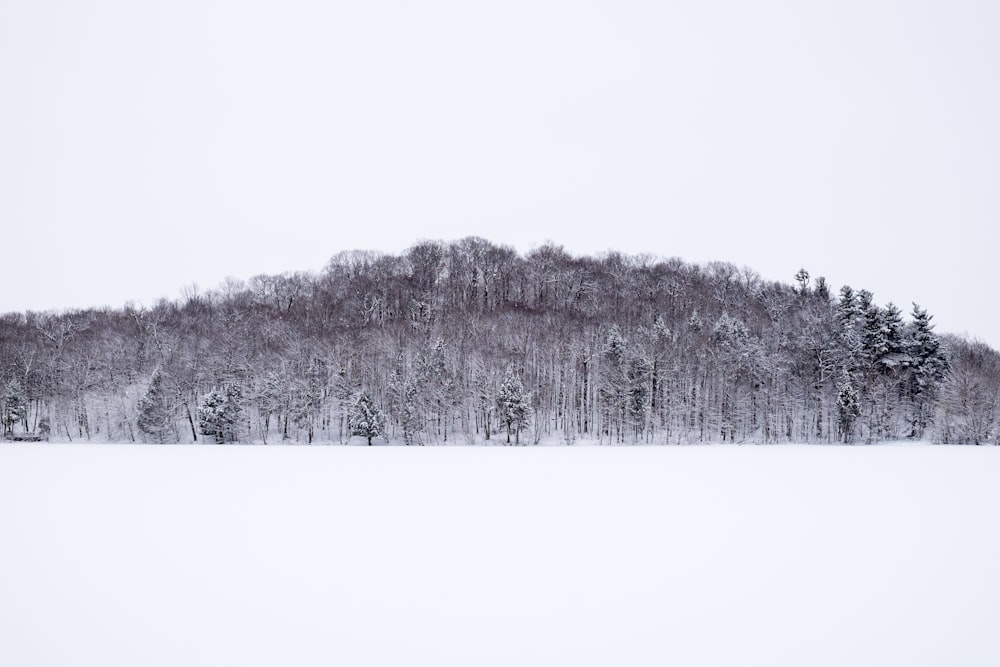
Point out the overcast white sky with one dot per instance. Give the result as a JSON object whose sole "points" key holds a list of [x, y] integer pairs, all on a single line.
{"points": [[148, 145]]}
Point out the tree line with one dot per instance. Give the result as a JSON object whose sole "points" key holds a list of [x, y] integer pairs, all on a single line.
{"points": [[470, 342]]}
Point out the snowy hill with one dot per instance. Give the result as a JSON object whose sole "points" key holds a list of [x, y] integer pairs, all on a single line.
{"points": [[470, 342]]}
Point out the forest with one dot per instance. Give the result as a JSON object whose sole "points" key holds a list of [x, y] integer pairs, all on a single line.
{"points": [[470, 342]]}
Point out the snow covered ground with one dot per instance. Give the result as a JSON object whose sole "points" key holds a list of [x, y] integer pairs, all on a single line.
{"points": [[781, 555]]}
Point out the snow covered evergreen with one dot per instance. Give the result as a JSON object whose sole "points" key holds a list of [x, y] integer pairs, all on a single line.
{"points": [[155, 412], [513, 405], [15, 406], [219, 413], [366, 419]]}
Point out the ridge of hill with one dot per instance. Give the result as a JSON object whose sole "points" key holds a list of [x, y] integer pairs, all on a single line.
{"points": [[470, 342]]}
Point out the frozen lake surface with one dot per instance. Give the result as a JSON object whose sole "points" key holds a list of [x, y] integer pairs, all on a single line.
{"points": [[780, 555]]}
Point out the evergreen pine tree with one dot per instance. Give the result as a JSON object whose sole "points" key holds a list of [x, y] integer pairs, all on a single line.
{"points": [[15, 406], [155, 412], [851, 325], [928, 368], [927, 355], [848, 408], [366, 419], [870, 330], [513, 405], [889, 354], [637, 401], [219, 413], [211, 415]]}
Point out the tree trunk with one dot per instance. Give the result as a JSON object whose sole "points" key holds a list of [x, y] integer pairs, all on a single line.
{"points": [[194, 433]]}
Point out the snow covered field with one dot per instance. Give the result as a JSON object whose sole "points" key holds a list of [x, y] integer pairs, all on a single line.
{"points": [[197, 555]]}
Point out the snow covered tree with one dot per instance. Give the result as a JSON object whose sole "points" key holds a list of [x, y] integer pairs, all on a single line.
{"points": [[888, 349], [926, 353], [734, 339], [928, 368], [886, 364], [212, 415], [848, 408], [307, 399], [412, 417], [366, 419], [425, 392], [485, 405], [513, 405], [342, 394], [638, 397], [156, 412], [219, 413], [273, 400], [850, 318], [802, 278], [614, 386], [822, 289], [968, 411], [15, 406]]}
